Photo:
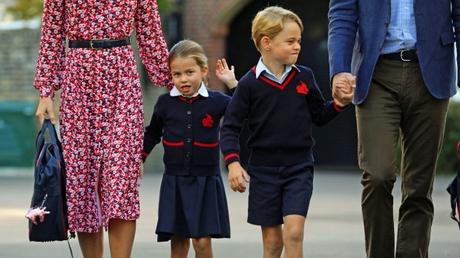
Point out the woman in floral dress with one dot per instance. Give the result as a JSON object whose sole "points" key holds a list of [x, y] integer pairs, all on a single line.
{"points": [[101, 109]]}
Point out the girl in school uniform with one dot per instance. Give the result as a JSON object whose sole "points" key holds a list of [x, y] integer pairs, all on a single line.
{"points": [[186, 120]]}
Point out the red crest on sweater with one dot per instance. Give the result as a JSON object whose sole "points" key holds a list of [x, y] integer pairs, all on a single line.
{"points": [[207, 121], [302, 88]]}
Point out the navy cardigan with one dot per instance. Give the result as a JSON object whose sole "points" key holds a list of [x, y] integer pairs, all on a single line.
{"points": [[279, 116], [189, 129]]}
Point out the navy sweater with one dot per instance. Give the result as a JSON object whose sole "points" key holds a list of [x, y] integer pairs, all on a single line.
{"points": [[189, 128], [279, 117]]}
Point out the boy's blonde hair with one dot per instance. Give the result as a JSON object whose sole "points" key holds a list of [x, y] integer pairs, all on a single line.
{"points": [[270, 22], [189, 48]]}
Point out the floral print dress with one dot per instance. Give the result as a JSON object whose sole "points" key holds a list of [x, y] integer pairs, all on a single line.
{"points": [[101, 101]]}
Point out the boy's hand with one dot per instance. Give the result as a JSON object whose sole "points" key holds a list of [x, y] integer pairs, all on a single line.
{"points": [[225, 74], [343, 86], [345, 96], [238, 178]]}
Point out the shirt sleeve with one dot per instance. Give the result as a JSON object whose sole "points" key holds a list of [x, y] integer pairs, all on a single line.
{"points": [[152, 45], [51, 52]]}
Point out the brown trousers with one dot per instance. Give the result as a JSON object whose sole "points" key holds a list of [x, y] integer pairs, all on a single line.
{"points": [[399, 107]]}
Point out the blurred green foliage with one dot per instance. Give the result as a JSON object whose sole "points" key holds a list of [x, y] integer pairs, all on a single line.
{"points": [[26, 9], [447, 162], [29, 9], [447, 159]]}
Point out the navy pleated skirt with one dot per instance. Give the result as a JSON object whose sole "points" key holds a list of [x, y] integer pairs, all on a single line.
{"points": [[192, 207]]}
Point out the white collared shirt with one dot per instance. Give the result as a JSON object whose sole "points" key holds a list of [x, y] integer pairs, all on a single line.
{"points": [[261, 67], [201, 91]]}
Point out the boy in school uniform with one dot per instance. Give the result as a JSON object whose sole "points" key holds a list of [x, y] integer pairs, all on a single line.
{"points": [[281, 101]]}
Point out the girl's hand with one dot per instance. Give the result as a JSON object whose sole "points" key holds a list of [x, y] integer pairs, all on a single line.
{"points": [[238, 178], [225, 74], [45, 108]]}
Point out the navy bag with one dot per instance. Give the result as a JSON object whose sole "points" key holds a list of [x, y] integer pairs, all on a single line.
{"points": [[49, 187], [454, 191]]}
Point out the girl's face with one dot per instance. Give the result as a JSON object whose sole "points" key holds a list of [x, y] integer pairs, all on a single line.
{"points": [[187, 75]]}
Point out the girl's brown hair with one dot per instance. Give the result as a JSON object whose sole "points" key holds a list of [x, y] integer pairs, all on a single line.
{"points": [[189, 48]]}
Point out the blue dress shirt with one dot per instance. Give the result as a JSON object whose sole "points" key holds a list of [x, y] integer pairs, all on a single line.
{"points": [[401, 32]]}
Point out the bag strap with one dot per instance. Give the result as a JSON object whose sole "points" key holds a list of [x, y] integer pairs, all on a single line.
{"points": [[70, 248]]}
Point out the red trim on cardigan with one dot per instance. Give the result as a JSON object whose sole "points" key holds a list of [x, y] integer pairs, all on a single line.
{"points": [[206, 145], [232, 155], [188, 100], [144, 155], [173, 144], [337, 107]]}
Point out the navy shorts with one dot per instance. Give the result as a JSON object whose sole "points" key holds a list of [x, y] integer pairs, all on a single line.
{"points": [[275, 192]]}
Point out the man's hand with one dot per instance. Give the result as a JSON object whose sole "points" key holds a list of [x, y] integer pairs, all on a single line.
{"points": [[343, 86], [238, 178], [226, 74], [45, 109]]}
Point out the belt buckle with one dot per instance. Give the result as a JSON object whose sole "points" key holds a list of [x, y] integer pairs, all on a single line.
{"points": [[401, 55], [92, 42]]}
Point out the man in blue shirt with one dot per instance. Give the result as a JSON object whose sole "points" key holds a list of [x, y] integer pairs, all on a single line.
{"points": [[402, 52]]}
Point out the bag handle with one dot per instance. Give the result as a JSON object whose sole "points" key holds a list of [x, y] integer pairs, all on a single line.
{"points": [[47, 126], [53, 138]]}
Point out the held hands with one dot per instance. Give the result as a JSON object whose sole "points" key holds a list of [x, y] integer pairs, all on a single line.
{"points": [[238, 178], [45, 108], [226, 74], [343, 86]]}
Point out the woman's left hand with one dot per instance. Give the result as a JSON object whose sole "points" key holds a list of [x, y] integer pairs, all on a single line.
{"points": [[45, 109]]}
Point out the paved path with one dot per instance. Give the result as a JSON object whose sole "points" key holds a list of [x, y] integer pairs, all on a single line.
{"points": [[333, 228]]}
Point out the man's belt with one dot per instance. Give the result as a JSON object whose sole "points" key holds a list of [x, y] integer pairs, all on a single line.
{"points": [[403, 55]]}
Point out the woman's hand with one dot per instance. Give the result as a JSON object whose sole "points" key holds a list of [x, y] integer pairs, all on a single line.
{"points": [[226, 74], [141, 171], [45, 109]]}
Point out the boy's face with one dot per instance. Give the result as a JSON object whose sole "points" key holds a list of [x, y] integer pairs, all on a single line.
{"points": [[187, 75], [284, 48]]}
